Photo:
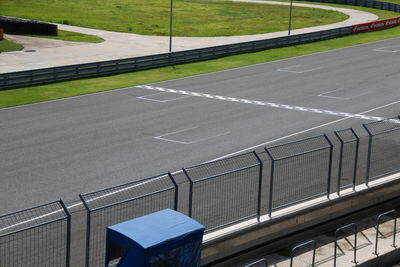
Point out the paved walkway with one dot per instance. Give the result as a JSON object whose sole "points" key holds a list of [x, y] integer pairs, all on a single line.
{"points": [[51, 53]]}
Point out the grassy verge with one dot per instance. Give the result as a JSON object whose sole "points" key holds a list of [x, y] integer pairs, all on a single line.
{"points": [[382, 14], [78, 87], [8, 46], [151, 17], [73, 36]]}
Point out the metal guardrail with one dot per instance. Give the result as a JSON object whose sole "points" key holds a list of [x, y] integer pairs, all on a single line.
{"points": [[102, 68]]}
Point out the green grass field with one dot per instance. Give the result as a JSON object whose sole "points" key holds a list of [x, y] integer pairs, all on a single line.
{"points": [[8, 46], [151, 17], [382, 14], [73, 36], [34, 94]]}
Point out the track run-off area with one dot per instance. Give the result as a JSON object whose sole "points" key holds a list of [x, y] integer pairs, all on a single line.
{"points": [[117, 45], [58, 149]]}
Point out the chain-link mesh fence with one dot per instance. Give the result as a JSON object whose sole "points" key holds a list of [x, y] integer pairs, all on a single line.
{"points": [[36, 237], [118, 204], [347, 169], [384, 148], [300, 170], [225, 191]]}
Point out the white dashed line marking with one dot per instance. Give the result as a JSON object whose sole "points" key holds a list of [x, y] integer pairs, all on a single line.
{"points": [[262, 103]]}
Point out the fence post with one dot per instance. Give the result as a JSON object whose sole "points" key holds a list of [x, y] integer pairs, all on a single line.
{"points": [[259, 186], [271, 183], [68, 246], [87, 231], [356, 159], [340, 163], [190, 191], [330, 165], [176, 190], [368, 155]]}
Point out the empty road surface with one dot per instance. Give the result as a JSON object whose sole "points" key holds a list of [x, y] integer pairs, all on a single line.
{"points": [[75, 145]]}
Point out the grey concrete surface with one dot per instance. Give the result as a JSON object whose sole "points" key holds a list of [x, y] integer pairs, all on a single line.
{"points": [[70, 146], [52, 53]]}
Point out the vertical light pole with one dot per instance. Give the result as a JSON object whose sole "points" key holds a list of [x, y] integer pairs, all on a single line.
{"points": [[290, 16], [170, 27]]}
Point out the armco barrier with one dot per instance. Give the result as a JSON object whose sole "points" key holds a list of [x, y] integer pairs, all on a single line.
{"points": [[95, 69]]}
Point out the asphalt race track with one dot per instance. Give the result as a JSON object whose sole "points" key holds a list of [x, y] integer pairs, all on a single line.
{"points": [[58, 149]]}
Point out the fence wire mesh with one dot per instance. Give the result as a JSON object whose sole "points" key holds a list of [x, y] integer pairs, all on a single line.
{"points": [[118, 204], [225, 191], [300, 171], [347, 171], [384, 147], [35, 237]]}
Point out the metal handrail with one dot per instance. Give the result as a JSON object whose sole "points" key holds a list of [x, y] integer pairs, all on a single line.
{"points": [[302, 245], [378, 222], [355, 241]]}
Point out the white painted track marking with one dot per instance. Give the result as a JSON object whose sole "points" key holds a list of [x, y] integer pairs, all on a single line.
{"points": [[334, 97], [301, 132], [262, 103], [225, 156], [387, 49], [290, 69], [149, 97], [162, 137]]}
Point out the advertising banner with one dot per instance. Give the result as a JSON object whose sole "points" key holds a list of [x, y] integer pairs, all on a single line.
{"points": [[376, 25]]}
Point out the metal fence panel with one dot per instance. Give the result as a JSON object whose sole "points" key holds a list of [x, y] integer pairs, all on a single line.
{"points": [[225, 191], [300, 170], [384, 148], [36, 237], [121, 203], [347, 171]]}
